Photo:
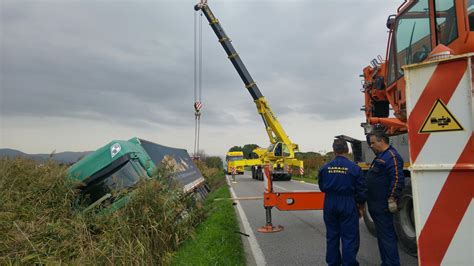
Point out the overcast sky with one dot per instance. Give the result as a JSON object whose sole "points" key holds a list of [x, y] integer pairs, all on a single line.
{"points": [[75, 75]]}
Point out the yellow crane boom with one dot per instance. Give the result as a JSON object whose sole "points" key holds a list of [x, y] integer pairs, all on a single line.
{"points": [[282, 150]]}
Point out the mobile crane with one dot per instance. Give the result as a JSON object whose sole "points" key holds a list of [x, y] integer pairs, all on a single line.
{"points": [[281, 152], [428, 64]]}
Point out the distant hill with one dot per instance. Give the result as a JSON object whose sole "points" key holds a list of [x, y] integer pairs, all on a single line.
{"points": [[67, 157]]}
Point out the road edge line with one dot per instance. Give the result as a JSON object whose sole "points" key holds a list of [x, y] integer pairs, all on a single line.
{"points": [[254, 246]]}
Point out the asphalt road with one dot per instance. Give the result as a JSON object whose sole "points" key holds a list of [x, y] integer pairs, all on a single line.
{"points": [[302, 242]]}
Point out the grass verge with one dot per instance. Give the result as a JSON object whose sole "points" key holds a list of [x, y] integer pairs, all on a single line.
{"points": [[39, 226], [216, 241], [311, 180]]}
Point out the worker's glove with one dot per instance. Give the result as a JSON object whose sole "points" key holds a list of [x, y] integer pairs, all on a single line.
{"points": [[392, 205], [360, 209]]}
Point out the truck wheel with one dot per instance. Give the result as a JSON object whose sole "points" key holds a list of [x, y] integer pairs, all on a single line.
{"points": [[279, 177], [260, 174], [253, 172], [404, 221], [369, 223]]}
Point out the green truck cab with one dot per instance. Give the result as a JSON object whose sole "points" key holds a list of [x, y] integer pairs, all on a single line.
{"points": [[109, 174]]}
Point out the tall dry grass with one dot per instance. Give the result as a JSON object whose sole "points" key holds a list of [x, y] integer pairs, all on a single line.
{"points": [[38, 225], [210, 174]]}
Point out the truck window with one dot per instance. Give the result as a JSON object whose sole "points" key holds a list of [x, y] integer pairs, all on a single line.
{"points": [[446, 22], [123, 177], [286, 152], [234, 158], [278, 150], [470, 13], [270, 148], [392, 66], [412, 39]]}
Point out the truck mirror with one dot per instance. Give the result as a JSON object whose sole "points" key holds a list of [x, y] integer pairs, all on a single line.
{"points": [[390, 21]]}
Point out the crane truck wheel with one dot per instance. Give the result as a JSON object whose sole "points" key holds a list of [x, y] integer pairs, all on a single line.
{"points": [[369, 223], [281, 176], [276, 176], [404, 221], [252, 169], [258, 173]]}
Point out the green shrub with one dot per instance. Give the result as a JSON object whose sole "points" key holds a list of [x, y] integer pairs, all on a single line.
{"points": [[210, 174], [214, 162], [38, 225]]}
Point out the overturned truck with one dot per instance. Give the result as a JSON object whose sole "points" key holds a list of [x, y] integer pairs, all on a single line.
{"points": [[109, 174]]}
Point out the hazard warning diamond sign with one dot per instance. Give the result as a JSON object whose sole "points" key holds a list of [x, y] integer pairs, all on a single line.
{"points": [[440, 119]]}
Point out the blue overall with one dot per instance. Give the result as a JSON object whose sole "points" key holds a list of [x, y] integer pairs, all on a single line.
{"points": [[385, 179], [343, 183]]}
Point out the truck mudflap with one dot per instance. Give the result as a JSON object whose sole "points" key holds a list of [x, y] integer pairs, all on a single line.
{"points": [[179, 162]]}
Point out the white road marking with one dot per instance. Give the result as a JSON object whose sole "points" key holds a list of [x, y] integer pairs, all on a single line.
{"points": [[282, 188], [279, 187], [254, 246], [309, 184]]}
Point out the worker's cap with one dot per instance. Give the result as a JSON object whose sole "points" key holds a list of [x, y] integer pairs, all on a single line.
{"points": [[340, 146]]}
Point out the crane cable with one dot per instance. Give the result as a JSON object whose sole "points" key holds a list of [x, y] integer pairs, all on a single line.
{"points": [[197, 80]]}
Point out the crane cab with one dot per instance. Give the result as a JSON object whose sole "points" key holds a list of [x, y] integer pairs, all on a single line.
{"points": [[278, 153], [278, 150]]}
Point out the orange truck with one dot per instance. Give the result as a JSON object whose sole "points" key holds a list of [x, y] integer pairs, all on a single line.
{"points": [[421, 95]]}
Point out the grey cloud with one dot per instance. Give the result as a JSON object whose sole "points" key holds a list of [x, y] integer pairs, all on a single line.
{"points": [[134, 60]]}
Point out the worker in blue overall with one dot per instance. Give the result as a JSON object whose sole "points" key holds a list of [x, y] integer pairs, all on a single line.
{"points": [[385, 182], [343, 183]]}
